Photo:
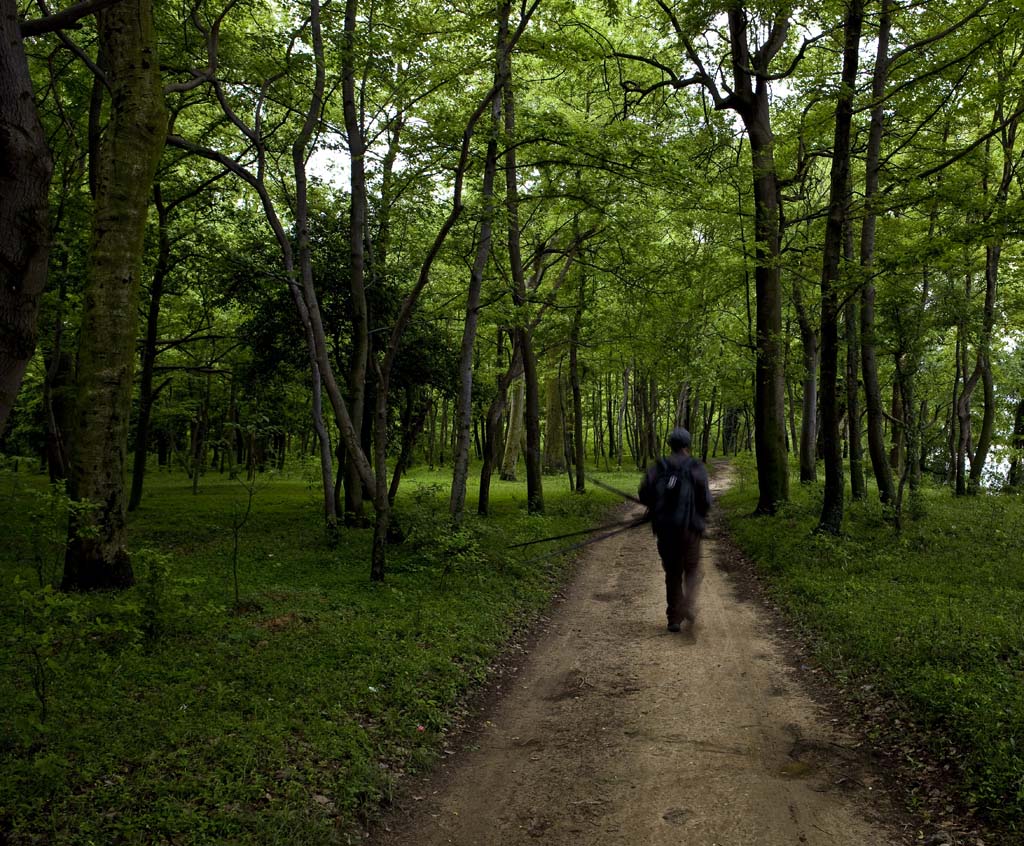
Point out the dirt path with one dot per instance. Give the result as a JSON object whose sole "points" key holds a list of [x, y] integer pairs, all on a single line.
{"points": [[616, 731]]}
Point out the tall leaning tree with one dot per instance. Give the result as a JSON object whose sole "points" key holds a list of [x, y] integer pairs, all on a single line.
{"points": [[125, 168]]}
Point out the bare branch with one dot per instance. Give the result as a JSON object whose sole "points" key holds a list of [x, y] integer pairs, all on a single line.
{"points": [[201, 76], [938, 36], [63, 19], [74, 48]]}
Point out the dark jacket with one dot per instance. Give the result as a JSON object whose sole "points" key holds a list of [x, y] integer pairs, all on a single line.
{"points": [[699, 478]]}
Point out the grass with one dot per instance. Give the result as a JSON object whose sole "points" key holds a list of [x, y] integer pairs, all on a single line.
{"points": [[932, 618], [163, 714]]}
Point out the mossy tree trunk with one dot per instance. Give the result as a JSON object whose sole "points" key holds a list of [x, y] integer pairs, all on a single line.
{"points": [[126, 164]]}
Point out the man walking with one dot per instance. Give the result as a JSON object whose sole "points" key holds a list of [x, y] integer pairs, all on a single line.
{"points": [[675, 490]]}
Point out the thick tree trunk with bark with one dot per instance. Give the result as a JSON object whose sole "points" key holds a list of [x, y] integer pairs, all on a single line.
{"points": [[129, 151], [25, 170], [769, 396], [750, 99]]}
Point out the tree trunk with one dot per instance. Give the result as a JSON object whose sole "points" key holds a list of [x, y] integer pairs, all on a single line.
{"points": [[574, 382], [613, 451], [492, 428], [621, 420], [896, 414], [705, 435], [839, 200], [653, 446], [322, 375], [1008, 140], [357, 370], [443, 439], [534, 482], [149, 351], [858, 489], [514, 439], [457, 502], [1015, 477], [524, 337], [413, 421], [869, 360], [809, 410], [96, 555], [58, 388], [554, 427], [198, 451], [682, 405], [24, 211], [750, 99]]}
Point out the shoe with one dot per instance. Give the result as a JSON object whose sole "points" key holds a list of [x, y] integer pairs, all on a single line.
{"points": [[673, 627]]}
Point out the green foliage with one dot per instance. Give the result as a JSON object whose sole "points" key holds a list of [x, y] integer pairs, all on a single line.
{"points": [[931, 618], [158, 609], [169, 720], [45, 628], [46, 528]]}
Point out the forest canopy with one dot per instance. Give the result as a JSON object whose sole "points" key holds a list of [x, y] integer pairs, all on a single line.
{"points": [[361, 236]]}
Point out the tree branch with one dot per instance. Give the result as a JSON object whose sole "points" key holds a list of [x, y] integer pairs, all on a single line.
{"points": [[970, 148], [63, 19]]}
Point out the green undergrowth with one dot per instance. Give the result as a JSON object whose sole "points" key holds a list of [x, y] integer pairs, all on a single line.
{"points": [[931, 618], [168, 714]]}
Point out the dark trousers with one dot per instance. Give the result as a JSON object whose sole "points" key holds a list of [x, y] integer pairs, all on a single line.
{"points": [[680, 558]]}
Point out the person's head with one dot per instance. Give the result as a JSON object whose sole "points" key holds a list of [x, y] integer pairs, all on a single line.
{"points": [[679, 439]]}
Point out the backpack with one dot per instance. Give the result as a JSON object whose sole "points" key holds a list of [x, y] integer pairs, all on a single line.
{"points": [[673, 496]]}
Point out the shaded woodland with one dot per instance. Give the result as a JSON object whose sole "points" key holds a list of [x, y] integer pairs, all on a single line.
{"points": [[346, 242], [369, 236]]}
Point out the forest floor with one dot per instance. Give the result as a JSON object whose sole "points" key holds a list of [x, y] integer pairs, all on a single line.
{"points": [[613, 730]]}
